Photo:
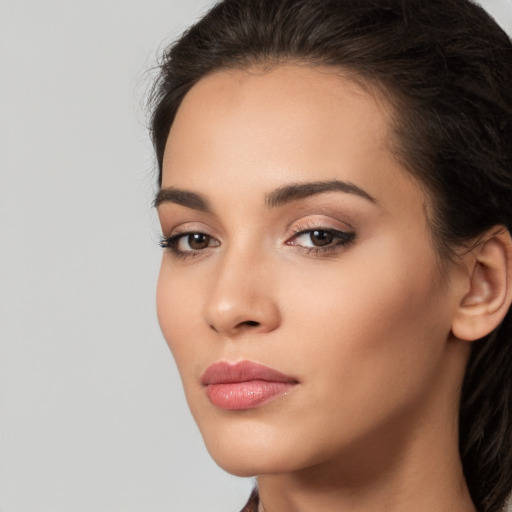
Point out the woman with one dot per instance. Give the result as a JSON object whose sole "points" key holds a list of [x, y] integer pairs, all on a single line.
{"points": [[335, 184]]}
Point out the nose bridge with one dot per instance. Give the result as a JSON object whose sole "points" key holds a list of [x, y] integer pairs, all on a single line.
{"points": [[242, 296]]}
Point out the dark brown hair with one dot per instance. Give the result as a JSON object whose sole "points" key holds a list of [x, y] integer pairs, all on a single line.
{"points": [[446, 67]]}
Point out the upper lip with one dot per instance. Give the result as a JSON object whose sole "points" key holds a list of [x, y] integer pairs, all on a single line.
{"points": [[224, 372]]}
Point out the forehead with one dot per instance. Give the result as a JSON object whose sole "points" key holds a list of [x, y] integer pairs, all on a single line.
{"points": [[259, 129], [287, 96]]}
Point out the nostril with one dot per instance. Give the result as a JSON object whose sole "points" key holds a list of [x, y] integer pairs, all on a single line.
{"points": [[248, 323]]}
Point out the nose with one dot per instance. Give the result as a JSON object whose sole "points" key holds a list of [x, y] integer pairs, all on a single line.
{"points": [[242, 298]]}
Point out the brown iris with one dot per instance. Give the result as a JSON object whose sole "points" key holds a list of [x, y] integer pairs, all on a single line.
{"points": [[198, 241], [321, 238]]}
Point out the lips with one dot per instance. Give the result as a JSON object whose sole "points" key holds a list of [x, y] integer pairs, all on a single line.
{"points": [[244, 385]]}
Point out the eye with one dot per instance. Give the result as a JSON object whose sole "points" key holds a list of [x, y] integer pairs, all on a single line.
{"points": [[194, 241], [315, 238], [321, 239], [184, 244]]}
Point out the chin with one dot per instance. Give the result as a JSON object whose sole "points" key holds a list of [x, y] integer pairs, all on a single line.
{"points": [[251, 465], [240, 468], [248, 450]]}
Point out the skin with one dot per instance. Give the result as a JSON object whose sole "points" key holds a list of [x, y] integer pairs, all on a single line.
{"points": [[365, 328]]}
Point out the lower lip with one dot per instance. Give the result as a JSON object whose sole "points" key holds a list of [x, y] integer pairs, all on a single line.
{"points": [[245, 395]]}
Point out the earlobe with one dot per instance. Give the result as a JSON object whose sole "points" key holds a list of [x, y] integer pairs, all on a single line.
{"points": [[489, 292]]}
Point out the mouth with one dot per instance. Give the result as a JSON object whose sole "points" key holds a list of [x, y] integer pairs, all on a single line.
{"points": [[244, 385]]}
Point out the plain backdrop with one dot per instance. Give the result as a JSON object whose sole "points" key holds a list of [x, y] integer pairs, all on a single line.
{"points": [[92, 417]]}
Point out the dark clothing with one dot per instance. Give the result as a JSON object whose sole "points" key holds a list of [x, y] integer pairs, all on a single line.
{"points": [[252, 504]]}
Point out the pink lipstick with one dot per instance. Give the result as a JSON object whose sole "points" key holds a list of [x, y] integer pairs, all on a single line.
{"points": [[244, 385]]}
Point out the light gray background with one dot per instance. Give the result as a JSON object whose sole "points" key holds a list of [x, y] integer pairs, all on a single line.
{"points": [[92, 417]]}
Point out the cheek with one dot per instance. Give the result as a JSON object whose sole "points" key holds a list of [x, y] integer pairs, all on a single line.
{"points": [[178, 313], [370, 326]]}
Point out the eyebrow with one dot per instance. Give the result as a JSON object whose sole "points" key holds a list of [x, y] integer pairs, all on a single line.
{"points": [[278, 197], [296, 191], [182, 197]]}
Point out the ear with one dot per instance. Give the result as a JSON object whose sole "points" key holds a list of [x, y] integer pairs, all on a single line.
{"points": [[488, 292]]}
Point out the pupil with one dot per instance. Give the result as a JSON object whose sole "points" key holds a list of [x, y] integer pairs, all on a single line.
{"points": [[320, 238], [198, 241]]}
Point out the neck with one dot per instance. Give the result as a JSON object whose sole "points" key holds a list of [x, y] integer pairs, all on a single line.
{"points": [[414, 481]]}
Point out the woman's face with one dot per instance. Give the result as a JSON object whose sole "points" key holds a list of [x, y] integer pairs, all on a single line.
{"points": [[299, 264]]}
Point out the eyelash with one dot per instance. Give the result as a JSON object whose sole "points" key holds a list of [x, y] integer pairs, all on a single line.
{"points": [[341, 240], [171, 243]]}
